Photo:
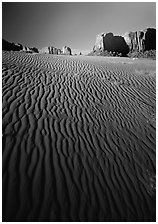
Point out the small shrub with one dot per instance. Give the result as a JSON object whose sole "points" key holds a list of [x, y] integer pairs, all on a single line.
{"points": [[146, 54]]}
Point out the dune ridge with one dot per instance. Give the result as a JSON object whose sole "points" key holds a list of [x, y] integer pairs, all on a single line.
{"points": [[78, 138]]}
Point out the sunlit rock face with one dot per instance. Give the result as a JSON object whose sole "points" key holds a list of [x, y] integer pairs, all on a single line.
{"points": [[130, 41], [67, 50], [44, 50], [99, 44]]}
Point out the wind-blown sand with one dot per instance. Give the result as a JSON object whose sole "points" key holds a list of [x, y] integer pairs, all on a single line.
{"points": [[79, 138]]}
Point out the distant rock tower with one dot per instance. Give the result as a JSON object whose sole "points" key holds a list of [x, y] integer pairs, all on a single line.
{"points": [[50, 50], [59, 51], [66, 50]]}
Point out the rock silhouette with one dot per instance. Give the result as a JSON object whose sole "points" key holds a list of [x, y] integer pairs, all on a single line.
{"points": [[150, 39], [7, 46]]}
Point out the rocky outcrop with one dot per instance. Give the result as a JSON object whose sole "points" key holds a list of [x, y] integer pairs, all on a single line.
{"points": [[141, 40], [150, 39], [59, 51], [111, 43], [50, 50], [45, 50], [34, 49], [30, 49], [131, 41], [99, 44], [7, 46], [67, 50]]}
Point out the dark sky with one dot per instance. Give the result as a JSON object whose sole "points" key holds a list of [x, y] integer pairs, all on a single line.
{"points": [[74, 24]]}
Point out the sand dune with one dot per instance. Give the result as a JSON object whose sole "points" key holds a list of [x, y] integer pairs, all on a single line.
{"points": [[79, 138]]}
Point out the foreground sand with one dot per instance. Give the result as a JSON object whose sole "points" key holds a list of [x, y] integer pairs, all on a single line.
{"points": [[78, 138]]}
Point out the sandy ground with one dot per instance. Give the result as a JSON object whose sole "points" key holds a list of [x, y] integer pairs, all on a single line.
{"points": [[79, 138]]}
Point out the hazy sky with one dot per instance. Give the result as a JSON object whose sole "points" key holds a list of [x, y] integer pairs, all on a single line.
{"points": [[74, 24]]}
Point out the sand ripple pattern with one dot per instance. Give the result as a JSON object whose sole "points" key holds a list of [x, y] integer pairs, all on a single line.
{"points": [[78, 138]]}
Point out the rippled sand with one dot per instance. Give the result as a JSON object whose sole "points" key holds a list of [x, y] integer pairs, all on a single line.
{"points": [[79, 138]]}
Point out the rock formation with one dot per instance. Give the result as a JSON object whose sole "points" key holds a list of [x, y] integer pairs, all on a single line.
{"points": [[7, 46], [59, 51], [150, 39], [111, 43], [131, 41], [141, 40], [45, 50], [34, 49], [66, 50], [99, 44], [50, 50]]}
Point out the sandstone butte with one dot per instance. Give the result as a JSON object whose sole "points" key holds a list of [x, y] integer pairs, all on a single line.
{"points": [[130, 41]]}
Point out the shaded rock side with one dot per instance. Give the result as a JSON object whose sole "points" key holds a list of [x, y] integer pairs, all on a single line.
{"points": [[67, 50], [111, 43]]}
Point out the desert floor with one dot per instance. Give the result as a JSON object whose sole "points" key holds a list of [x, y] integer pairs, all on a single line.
{"points": [[79, 138]]}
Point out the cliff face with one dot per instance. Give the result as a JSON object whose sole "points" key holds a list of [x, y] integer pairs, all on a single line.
{"points": [[99, 44], [115, 44], [150, 39], [141, 40], [109, 42], [130, 41]]}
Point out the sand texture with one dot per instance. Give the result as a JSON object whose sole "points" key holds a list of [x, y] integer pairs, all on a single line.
{"points": [[79, 138]]}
